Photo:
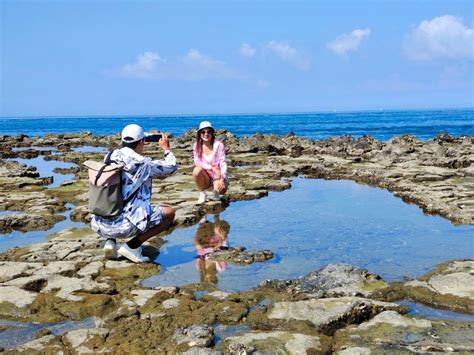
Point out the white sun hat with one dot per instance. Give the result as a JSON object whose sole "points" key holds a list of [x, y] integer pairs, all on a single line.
{"points": [[132, 133], [205, 124]]}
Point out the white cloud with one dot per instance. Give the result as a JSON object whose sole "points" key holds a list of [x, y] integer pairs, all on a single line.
{"points": [[247, 50], [442, 37], [348, 42], [193, 66], [197, 66], [289, 54], [144, 67]]}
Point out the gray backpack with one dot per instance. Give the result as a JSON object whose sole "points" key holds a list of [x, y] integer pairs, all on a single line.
{"points": [[105, 188]]}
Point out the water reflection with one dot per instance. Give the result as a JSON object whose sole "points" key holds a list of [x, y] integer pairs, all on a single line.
{"points": [[318, 222], [210, 237], [19, 239], [90, 149], [18, 333]]}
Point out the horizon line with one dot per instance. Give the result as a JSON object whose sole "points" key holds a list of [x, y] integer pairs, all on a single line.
{"points": [[334, 111]]}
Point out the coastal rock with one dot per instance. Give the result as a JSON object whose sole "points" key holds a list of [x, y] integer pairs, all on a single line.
{"points": [[194, 336], [450, 285], [436, 175], [39, 346], [332, 280], [14, 301], [274, 342], [325, 315], [240, 256], [390, 332], [83, 341]]}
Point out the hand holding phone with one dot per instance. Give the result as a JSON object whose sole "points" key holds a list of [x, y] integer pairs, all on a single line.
{"points": [[153, 137]]}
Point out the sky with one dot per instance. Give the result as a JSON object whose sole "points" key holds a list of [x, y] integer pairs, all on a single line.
{"points": [[102, 58]]}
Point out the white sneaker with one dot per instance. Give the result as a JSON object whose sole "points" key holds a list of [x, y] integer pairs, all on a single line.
{"points": [[216, 196], [202, 197], [110, 250], [134, 255]]}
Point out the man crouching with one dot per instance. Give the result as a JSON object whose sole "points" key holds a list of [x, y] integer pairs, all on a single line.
{"points": [[139, 220]]}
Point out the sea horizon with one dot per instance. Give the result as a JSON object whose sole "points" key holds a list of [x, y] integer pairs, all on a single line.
{"points": [[380, 124], [177, 115]]}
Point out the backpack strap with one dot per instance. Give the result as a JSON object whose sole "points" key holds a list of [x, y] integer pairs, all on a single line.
{"points": [[107, 161]]}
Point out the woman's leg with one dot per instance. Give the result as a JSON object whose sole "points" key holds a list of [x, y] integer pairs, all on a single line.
{"points": [[201, 179]]}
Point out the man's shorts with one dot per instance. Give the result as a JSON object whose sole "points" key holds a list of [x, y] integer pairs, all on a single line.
{"points": [[121, 227]]}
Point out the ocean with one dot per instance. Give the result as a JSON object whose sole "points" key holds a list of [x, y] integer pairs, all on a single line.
{"points": [[383, 125]]}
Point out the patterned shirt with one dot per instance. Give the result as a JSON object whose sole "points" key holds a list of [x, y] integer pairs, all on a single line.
{"points": [[137, 174]]}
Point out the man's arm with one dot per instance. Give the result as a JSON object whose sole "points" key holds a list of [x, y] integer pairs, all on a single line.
{"points": [[167, 166]]}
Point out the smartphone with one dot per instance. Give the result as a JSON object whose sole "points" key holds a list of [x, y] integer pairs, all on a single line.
{"points": [[153, 137]]}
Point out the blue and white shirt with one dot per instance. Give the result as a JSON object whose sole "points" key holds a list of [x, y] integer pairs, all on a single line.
{"points": [[137, 175]]}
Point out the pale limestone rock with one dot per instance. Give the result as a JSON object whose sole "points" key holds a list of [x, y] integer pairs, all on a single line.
{"points": [[293, 343], [396, 320], [37, 344], [321, 312], [171, 303], [112, 264], [142, 296], [458, 284], [219, 294], [354, 351], [66, 286], [91, 269], [16, 296], [11, 269], [78, 337]]}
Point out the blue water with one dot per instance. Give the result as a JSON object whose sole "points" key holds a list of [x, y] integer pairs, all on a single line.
{"points": [[315, 223], [383, 125], [45, 168]]}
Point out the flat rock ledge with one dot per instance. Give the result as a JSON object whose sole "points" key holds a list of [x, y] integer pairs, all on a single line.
{"points": [[437, 175], [392, 333], [450, 286], [339, 308], [332, 280], [38, 286]]}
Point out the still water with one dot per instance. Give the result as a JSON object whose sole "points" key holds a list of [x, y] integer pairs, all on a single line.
{"points": [[315, 223], [45, 168]]}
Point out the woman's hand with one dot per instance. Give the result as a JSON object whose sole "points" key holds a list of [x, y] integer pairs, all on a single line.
{"points": [[217, 172], [220, 185]]}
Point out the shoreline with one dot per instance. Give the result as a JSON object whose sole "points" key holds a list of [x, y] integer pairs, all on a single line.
{"points": [[66, 277]]}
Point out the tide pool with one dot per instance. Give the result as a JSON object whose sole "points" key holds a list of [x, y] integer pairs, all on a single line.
{"points": [[315, 223]]}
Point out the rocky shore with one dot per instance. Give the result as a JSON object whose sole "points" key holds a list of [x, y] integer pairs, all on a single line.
{"points": [[339, 308]]}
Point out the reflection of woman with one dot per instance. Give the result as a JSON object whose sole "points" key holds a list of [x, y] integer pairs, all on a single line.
{"points": [[210, 237], [210, 163]]}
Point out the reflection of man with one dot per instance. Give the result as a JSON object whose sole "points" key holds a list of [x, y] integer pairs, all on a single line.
{"points": [[210, 237]]}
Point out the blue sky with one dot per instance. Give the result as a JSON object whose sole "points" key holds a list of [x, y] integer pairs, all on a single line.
{"points": [[192, 57]]}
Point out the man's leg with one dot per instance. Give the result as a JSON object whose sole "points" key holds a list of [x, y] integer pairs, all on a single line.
{"points": [[132, 251], [168, 218]]}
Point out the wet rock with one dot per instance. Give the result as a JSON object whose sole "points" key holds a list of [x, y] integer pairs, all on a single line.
{"points": [[239, 256], [331, 281], [49, 342], [84, 341], [450, 285], [329, 314], [194, 336], [43, 332], [276, 342], [390, 332], [14, 301]]}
